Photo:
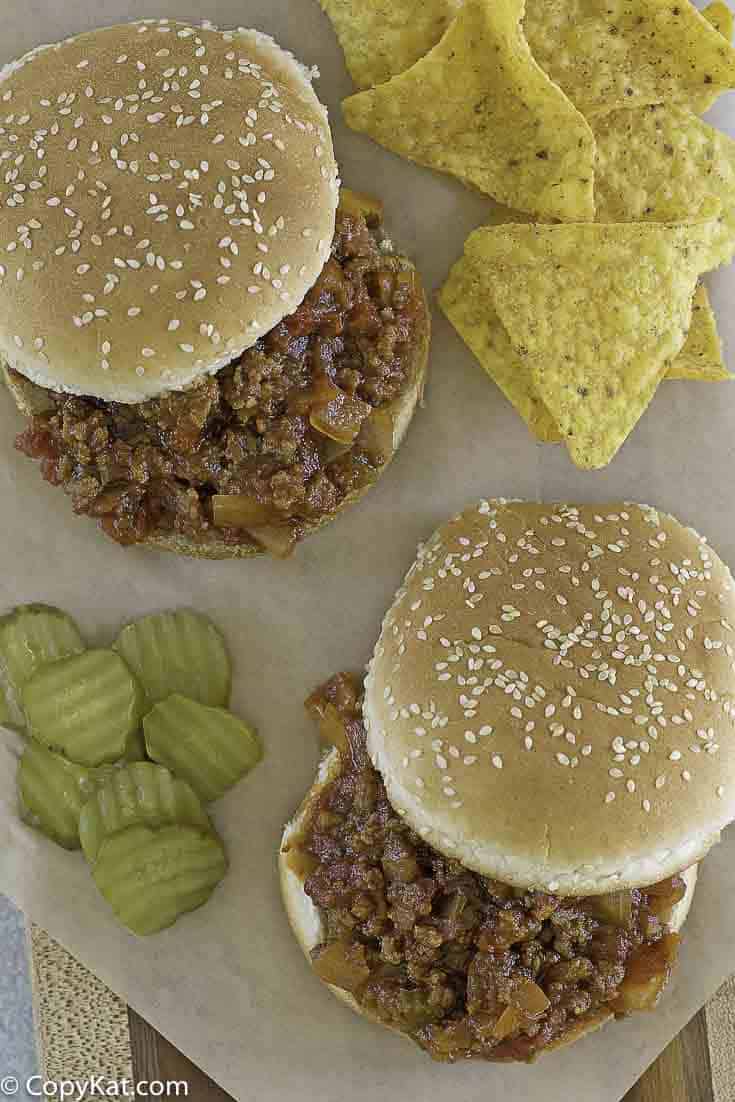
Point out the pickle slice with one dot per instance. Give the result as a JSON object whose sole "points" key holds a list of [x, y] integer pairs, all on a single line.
{"points": [[52, 793], [135, 749], [177, 652], [86, 706], [152, 877], [138, 793], [31, 635], [209, 747]]}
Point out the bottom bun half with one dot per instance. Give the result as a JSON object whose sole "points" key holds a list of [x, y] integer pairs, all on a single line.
{"points": [[31, 399], [306, 921]]}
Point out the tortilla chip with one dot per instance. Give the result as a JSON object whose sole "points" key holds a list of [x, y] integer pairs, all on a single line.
{"points": [[381, 38], [722, 18], [478, 107], [466, 301], [499, 215], [633, 52], [660, 163], [598, 313], [701, 357]]}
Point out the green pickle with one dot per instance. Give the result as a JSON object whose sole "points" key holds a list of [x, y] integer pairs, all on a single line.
{"points": [[209, 747], [178, 652], [86, 706], [52, 793], [135, 748], [30, 636], [94, 718], [152, 877], [139, 793]]}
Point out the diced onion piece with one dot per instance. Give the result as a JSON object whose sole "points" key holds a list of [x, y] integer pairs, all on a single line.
{"points": [[332, 730], [321, 390], [278, 540], [301, 863], [663, 897], [529, 998], [377, 436], [241, 511], [341, 418], [509, 1021], [646, 976], [315, 705], [617, 907], [332, 450], [342, 965], [357, 203]]}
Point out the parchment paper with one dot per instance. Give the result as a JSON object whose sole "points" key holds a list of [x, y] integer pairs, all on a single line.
{"points": [[228, 984]]}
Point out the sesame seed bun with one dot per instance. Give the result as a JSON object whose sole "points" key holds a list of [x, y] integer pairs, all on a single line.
{"points": [[32, 399], [551, 698], [170, 195], [306, 920]]}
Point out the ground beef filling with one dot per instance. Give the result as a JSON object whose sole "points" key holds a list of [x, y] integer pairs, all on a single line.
{"points": [[287, 426], [465, 965]]}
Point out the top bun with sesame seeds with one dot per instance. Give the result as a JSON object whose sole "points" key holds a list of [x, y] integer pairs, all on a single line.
{"points": [[552, 697], [137, 256]]}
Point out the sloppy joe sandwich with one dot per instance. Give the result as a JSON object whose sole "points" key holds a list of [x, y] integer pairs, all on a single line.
{"points": [[214, 352], [501, 844]]}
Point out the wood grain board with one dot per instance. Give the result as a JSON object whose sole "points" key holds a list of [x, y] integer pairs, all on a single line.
{"points": [[681, 1074]]}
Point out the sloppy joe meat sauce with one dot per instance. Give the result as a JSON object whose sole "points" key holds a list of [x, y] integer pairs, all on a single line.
{"points": [[463, 964], [154, 467]]}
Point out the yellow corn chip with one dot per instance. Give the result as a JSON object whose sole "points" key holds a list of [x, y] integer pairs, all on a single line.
{"points": [[383, 37], [628, 53], [598, 312], [478, 107], [498, 215], [701, 357], [661, 163], [722, 18], [466, 301]]}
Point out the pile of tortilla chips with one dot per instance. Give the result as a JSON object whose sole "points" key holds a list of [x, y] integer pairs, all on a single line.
{"points": [[579, 112]]}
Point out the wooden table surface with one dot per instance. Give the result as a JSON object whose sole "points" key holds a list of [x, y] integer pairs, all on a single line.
{"points": [[681, 1074]]}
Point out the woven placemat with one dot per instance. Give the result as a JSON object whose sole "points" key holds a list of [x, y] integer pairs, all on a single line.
{"points": [[83, 1029], [720, 1014]]}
